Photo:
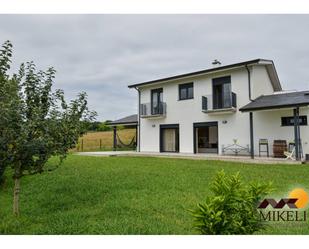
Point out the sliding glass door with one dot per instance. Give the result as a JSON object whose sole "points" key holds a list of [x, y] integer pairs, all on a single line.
{"points": [[169, 138], [205, 137]]}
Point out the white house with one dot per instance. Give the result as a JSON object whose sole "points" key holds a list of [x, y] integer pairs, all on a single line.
{"points": [[225, 109]]}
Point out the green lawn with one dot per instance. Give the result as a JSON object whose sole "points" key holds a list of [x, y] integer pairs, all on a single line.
{"points": [[131, 195]]}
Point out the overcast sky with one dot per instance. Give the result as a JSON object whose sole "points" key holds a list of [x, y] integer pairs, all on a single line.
{"points": [[102, 54]]}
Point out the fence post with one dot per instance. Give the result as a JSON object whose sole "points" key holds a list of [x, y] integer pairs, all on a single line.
{"points": [[82, 146], [100, 143]]}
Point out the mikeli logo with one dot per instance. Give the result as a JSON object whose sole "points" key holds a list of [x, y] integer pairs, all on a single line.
{"points": [[286, 209]]}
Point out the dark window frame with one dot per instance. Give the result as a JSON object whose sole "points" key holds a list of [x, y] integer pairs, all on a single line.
{"points": [[218, 100], [186, 86], [289, 121], [169, 126], [204, 124], [159, 102]]}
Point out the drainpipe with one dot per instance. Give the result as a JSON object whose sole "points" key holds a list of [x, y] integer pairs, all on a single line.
{"points": [[139, 120], [250, 116], [296, 133], [249, 82]]}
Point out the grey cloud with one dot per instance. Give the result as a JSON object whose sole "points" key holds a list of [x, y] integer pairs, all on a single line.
{"points": [[102, 54]]}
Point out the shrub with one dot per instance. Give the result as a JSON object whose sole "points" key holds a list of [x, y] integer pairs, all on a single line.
{"points": [[233, 207], [104, 126]]}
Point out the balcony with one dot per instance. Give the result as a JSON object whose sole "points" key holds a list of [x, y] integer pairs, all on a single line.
{"points": [[224, 105], [149, 111]]}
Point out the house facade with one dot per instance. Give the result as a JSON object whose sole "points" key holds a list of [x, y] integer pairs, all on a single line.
{"points": [[208, 111]]}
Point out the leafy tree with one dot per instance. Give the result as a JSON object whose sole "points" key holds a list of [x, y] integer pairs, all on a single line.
{"points": [[232, 209], [104, 126], [92, 126], [38, 123], [9, 103]]}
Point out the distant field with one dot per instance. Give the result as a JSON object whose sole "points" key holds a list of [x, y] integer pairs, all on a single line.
{"points": [[91, 141]]}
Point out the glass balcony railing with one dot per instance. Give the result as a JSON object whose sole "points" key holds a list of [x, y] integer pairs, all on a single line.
{"points": [[150, 110], [212, 103]]}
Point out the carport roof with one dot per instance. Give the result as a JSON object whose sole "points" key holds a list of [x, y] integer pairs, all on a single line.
{"points": [[278, 100], [129, 120]]}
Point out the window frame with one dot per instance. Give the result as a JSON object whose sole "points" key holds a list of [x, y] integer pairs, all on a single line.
{"points": [[219, 100], [185, 86], [159, 92]]}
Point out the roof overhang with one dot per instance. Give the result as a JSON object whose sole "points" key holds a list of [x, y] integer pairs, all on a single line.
{"points": [[270, 67], [277, 101], [275, 107], [131, 120], [122, 123]]}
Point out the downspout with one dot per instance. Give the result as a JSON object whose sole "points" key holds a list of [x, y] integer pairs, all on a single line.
{"points": [[249, 83], [296, 133], [250, 116], [139, 120]]}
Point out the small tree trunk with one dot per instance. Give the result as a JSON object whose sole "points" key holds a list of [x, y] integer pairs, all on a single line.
{"points": [[16, 197]]}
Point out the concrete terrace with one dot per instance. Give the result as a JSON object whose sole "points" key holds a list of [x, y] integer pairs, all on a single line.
{"points": [[231, 158]]}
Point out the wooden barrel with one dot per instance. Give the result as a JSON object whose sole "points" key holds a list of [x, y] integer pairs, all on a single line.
{"points": [[279, 148]]}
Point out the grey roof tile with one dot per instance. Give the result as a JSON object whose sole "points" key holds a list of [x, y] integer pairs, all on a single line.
{"points": [[275, 101], [126, 120]]}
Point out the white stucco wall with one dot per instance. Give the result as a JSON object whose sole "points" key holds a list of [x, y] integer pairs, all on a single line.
{"points": [[187, 112], [267, 124], [260, 82]]}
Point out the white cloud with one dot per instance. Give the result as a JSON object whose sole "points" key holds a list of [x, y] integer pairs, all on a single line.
{"points": [[102, 54]]}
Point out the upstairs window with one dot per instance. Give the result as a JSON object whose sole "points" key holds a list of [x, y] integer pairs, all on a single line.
{"points": [[289, 121], [186, 91], [222, 94], [156, 101]]}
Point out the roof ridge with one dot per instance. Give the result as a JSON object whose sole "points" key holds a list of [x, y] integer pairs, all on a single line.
{"points": [[238, 64]]}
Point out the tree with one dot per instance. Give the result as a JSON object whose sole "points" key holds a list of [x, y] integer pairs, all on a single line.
{"points": [[39, 123], [104, 126], [9, 103]]}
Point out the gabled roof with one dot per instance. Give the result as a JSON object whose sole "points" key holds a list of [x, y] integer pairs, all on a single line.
{"points": [[278, 100], [129, 120], [268, 63]]}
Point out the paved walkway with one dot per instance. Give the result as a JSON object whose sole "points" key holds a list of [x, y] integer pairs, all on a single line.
{"points": [[242, 159]]}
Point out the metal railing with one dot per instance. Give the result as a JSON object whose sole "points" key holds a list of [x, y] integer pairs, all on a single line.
{"points": [[208, 103], [147, 110]]}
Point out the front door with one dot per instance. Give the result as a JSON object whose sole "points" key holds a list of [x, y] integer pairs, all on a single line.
{"points": [[205, 137], [169, 138]]}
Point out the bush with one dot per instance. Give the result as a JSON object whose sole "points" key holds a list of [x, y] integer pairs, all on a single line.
{"points": [[233, 207], [104, 126]]}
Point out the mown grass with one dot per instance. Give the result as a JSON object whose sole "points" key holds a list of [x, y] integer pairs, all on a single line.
{"points": [[131, 195], [103, 140]]}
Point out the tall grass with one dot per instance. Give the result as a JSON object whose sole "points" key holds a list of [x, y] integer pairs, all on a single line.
{"points": [[102, 141]]}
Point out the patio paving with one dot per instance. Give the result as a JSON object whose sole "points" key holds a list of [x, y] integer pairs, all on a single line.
{"points": [[242, 159]]}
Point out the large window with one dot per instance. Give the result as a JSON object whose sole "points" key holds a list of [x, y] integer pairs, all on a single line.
{"points": [[222, 94], [186, 91], [156, 101], [289, 121]]}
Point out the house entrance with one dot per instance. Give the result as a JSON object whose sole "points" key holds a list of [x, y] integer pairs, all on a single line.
{"points": [[169, 138], [206, 137]]}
